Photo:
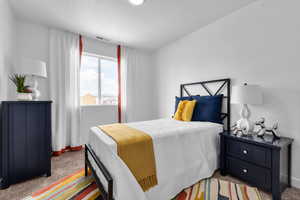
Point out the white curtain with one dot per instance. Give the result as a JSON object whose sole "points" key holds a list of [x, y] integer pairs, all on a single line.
{"points": [[129, 64], [64, 68]]}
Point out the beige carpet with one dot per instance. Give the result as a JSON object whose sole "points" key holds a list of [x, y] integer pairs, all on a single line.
{"points": [[72, 161], [62, 166]]}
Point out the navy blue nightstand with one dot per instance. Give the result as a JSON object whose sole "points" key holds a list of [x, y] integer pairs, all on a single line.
{"points": [[261, 162]]}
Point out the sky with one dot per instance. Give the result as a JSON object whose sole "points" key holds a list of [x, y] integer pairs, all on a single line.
{"points": [[89, 74]]}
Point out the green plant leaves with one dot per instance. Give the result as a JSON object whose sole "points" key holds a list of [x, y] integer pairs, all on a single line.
{"points": [[19, 81]]}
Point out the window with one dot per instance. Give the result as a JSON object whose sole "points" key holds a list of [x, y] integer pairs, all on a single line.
{"points": [[98, 80]]}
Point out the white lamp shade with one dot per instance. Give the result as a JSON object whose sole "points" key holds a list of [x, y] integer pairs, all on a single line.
{"points": [[247, 94], [31, 67]]}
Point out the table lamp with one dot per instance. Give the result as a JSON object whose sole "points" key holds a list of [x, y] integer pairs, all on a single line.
{"points": [[34, 68], [244, 95]]}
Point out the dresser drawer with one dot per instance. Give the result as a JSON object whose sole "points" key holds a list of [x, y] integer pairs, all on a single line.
{"points": [[257, 176], [251, 153]]}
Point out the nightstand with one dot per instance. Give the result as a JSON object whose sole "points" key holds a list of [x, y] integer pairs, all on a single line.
{"points": [[261, 162]]}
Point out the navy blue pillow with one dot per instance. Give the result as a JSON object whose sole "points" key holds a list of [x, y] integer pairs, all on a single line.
{"points": [[178, 99], [208, 108]]}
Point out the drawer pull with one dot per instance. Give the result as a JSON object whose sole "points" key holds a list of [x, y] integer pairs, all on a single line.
{"points": [[245, 152], [245, 171]]}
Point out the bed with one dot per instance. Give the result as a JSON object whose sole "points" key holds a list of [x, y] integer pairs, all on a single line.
{"points": [[185, 152]]}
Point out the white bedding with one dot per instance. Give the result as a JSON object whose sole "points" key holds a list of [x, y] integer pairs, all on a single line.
{"points": [[185, 152]]}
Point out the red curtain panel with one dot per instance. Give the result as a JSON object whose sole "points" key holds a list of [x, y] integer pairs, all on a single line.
{"points": [[119, 85]]}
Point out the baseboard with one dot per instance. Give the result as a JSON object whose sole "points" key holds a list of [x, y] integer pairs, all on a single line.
{"points": [[295, 182]]}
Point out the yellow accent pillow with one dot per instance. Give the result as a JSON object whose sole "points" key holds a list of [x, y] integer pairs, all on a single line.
{"points": [[185, 110], [188, 110], [180, 107]]}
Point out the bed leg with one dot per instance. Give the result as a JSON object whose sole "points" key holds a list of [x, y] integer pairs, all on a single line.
{"points": [[85, 162], [86, 169]]}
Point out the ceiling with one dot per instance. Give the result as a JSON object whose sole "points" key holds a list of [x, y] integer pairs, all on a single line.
{"points": [[150, 26]]}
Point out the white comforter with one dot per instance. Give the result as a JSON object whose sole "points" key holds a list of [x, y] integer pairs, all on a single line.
{"points": [[185, 153]]}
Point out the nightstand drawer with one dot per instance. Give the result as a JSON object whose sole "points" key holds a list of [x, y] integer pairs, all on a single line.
{"points": [[249, 152], [257, 176]]}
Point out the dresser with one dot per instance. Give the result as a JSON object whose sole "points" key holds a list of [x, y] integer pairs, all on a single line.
{"points": [[261, 162], [25, 137]]}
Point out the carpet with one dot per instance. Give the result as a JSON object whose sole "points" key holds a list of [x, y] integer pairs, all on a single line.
{"points": [[78, 187], [216, 189], [73, 187]]}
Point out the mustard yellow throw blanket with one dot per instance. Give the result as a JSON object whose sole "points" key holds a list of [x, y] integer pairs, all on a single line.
{"points": [[135, 148]]}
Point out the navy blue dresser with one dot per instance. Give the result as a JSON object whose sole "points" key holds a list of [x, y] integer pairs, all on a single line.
{"points": [[25, 137], [261, 162]]}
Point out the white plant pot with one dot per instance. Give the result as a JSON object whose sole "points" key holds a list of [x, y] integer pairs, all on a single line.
{"points": [[24, 96]]}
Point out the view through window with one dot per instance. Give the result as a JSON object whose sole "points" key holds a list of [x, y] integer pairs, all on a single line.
{"points": [[98, 80]]}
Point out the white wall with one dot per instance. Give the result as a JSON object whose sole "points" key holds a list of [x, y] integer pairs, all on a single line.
{"points": [[140, 100], [259, 44], [32, 41], [100, 48], [96, 115], [7, 46]]}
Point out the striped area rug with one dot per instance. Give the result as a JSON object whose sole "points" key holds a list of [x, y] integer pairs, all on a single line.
{"points": [[78, 187], [215, 189], [73, 187]]}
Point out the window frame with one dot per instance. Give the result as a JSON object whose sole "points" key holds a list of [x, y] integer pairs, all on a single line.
{"points": [[99, 57]]}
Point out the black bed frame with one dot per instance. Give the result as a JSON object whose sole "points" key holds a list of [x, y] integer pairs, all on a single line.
{"points": [[226, 83], [108, 194]]}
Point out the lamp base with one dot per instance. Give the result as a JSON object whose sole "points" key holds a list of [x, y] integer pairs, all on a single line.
{"points": [[244, 123], [35, 92]]}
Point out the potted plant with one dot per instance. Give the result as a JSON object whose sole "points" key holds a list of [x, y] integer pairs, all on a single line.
{"points": [[23, 91]]}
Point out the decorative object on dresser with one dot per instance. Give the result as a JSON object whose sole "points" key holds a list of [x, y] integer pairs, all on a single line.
{"points": [[23, 91], [263, 129], [261, 162], [25, 137], [35, 69], [246, 94], [237, 129]]}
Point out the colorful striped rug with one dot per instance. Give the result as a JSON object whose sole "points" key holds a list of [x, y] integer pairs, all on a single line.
{"points": [[73, 187], [78, 187], [216, 189]]}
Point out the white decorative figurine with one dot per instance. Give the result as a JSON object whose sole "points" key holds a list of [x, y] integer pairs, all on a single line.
{"points": [[263, 129], [236, 130]]}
